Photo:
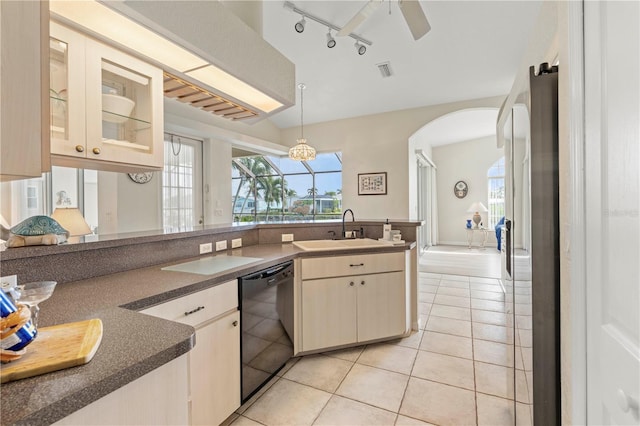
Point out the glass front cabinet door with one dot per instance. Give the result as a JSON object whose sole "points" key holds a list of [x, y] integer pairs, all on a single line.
{"points": [[106, 106]]}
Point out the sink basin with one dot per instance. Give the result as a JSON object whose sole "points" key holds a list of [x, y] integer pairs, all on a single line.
{"points": [[320, 245]]}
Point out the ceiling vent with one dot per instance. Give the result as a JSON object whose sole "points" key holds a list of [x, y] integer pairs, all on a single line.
{"points": [[385, 69]]}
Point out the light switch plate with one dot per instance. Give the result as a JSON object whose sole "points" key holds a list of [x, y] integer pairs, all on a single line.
{"points": [[236, 243], [287, 238], [221, 245], [206, 248], [9, 281]]}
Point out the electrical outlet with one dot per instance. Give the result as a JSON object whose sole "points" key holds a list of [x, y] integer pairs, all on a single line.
{"points": [[236, 243], [221, 245], [206, 248], [9, 281], [287, 238]]}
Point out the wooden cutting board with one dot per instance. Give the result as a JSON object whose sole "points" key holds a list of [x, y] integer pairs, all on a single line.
{"points": [[55, 348]]}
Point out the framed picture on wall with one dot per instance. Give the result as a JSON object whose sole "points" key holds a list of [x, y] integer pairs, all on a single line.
{"points": [[372, 183]]}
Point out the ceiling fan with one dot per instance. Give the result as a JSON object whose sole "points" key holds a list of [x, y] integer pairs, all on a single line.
{"points": [[411, 10]]}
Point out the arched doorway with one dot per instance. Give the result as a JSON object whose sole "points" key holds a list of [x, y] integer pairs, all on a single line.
{"points": [[426, 200]]}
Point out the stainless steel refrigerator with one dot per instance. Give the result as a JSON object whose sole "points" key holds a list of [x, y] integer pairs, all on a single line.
{"points": [[531, 271]]}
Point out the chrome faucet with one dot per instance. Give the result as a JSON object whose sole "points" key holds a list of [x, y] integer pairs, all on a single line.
{"points": [[353, 219]]}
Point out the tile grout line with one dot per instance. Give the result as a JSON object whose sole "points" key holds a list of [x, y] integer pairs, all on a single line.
{"points": [[475, 384], [404, 393]]}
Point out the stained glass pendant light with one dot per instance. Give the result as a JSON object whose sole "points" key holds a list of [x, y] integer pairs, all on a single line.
{"points": [[301, 151]]}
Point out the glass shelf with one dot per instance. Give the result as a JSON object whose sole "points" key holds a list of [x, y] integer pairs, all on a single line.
{"points": [[119, 118]]}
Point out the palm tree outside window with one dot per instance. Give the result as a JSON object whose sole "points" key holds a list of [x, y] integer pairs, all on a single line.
{"points": [[272, 186]]}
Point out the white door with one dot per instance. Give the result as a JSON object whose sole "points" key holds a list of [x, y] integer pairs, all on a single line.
{"points": [[612, 141]]}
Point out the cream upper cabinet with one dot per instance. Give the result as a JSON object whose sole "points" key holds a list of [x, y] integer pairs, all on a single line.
{"points": [[24, 105], [106, 106]]}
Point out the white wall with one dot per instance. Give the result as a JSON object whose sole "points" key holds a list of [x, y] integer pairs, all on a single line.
{"points": [[217, 181], [379, 143], [468, 161]]}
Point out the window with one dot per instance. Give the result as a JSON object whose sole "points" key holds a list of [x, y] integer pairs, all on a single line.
{"points": [[32, 197], [266, 188], [495, 175], [181, 182]]}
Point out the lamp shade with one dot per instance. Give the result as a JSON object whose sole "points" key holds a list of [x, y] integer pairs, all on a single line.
{"points": [[71, 219], [477, 207], [4, 222]]}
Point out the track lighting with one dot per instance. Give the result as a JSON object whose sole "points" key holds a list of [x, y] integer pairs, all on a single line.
{"points": [[331, 42], [300, 25], [361, 43]]}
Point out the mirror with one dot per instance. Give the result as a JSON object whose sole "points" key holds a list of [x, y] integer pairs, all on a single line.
{"points": [[116, 203]]}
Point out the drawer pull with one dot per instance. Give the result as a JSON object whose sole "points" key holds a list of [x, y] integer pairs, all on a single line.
{"points": [[235, 323], [351, 284], [199, 308], [356, 264], [362, 282]]}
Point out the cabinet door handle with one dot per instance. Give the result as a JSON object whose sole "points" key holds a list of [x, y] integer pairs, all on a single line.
{"points": [[353, 265], [362, 282], [193, 311], [235, 323], [96, 151], [351, 283], [79, 148]]}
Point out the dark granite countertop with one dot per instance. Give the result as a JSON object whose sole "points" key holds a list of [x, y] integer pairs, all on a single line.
{"points": [[133, 344]]}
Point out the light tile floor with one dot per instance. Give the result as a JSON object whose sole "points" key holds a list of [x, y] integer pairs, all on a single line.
{"points": [[458, 369]]}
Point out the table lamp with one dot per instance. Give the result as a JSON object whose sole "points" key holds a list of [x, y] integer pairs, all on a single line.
{"points": [[71, 219], [476, 208]]}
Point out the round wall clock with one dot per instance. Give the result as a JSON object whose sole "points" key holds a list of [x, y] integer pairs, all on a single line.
{"points": [[142, 177], [460, 189]]}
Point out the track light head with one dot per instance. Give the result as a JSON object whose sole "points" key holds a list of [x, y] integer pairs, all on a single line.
{"points": [[360, 48], [300, 25], [331, 42]]}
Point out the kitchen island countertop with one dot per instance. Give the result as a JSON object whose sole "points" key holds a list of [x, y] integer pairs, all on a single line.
{"points": [[133, 344]]}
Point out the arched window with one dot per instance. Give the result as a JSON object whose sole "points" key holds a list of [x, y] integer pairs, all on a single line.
{"points": [[495, 176]]}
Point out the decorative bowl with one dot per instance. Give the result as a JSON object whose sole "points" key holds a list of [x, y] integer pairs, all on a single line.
{"points": [[36, 292], [116, 108]]}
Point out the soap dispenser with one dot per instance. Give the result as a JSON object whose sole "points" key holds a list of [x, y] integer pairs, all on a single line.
{"points": [[386, 231]]}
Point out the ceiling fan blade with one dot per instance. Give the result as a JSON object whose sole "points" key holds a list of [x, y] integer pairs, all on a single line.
{"points": [[415, 18], [360, 17]]}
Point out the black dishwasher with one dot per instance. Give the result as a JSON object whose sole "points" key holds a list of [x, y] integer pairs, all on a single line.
{"points": [[266, 317]]}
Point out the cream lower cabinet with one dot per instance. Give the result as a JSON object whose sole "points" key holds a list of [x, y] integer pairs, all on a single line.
{"points": [[328, 313], [157, 398], [354, 308], [214, 363], [214, 366], [381, 306]]}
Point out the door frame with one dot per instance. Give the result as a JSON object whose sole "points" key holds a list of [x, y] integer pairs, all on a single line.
{"points": [[573, 215]]}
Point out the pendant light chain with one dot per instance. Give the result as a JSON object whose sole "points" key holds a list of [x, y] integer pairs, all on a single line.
{"points": [[301, 111]]}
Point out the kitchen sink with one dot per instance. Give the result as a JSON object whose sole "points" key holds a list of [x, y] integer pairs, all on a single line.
{"points": [[320, 245]]}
